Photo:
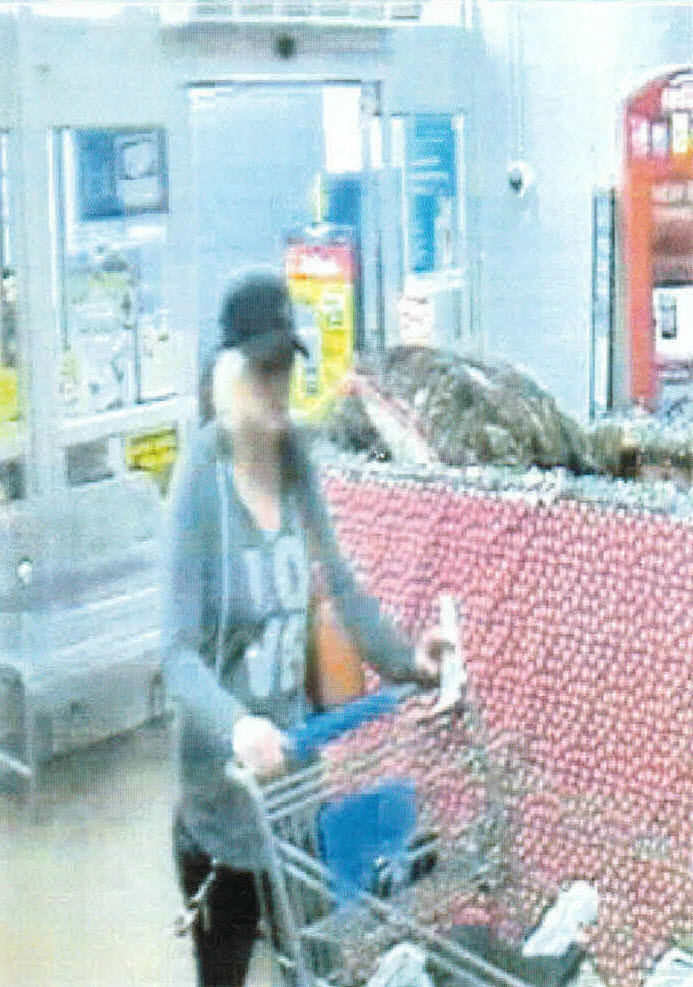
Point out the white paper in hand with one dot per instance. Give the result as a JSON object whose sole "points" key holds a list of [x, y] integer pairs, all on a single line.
{"points": [[452, 671]]}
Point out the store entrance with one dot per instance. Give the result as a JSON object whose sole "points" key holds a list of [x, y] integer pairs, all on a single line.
{"points": [[265, 158]]}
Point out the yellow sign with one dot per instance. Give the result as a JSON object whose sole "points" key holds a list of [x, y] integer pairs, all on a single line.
{"points": [[322, 290], [153, 452], [9, 400]]}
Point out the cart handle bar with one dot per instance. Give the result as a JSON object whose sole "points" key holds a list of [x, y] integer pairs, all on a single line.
{"points": [[304, 741]]}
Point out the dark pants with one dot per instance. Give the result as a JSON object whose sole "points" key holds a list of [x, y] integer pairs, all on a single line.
{"points": [[224, 943]]}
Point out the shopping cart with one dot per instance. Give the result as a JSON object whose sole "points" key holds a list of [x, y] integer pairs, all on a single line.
{"points": [[319, 906]]}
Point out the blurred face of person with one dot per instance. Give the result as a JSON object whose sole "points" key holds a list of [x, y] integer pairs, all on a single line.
{"points": [[251, 397]]}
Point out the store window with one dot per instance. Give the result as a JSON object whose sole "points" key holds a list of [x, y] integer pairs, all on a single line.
{"points": [[341, 123], [111, 203], [11, 465]]}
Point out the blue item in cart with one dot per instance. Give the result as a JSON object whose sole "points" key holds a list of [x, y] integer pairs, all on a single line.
{"points": [[360, 830]]}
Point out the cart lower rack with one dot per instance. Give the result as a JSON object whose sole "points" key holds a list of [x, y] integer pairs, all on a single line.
{"points": [[325, 922]]}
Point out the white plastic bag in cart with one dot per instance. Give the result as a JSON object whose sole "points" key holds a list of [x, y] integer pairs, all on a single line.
{"points": [[561, 925], [675, 969], [402, 966]]}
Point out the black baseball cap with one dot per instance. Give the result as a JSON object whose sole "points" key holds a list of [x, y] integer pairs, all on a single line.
{"points": [[256, 317]]}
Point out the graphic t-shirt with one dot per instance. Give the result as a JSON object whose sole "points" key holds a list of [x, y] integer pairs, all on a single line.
{"points": [[265, 595]]}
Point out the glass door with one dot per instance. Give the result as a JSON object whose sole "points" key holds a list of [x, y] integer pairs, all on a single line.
{"points": [[12, 390], [121, 360]]}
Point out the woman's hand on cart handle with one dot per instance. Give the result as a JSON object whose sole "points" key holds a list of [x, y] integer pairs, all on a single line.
{"points": [[260, 746], [429, 654]]}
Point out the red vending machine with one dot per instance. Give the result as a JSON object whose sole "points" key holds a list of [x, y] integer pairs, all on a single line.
{"points": [[657, 209]]}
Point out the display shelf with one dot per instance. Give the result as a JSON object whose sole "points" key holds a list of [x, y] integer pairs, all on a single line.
{"points": [[125, 420]]}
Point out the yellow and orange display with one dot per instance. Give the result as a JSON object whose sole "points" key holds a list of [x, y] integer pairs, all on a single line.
{"points": [[321, 282]]}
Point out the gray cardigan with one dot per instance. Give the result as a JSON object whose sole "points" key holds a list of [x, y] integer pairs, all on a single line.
{"points": [[213, 621]]}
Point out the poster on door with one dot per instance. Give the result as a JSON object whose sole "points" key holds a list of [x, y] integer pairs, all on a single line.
{"points": [[431, 189], [321, 282], [9, 373], [9, 404], [119, 172], [98, 367], [154, 453]]}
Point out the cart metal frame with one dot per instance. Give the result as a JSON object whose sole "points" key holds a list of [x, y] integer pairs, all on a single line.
{"points": [[306, 948]]}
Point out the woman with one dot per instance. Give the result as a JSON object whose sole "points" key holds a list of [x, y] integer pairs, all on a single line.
{"points": [[248, 522]]}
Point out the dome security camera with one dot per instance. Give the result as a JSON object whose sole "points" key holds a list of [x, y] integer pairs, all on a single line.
{"points": [[25, 571], [520, 177], [285, 46]]}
